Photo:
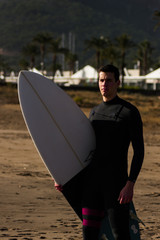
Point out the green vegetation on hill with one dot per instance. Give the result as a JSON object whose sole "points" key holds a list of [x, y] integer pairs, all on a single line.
{"points": [[22, 20]]}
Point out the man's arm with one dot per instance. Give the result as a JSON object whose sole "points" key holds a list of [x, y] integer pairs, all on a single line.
{"points": [[136, 134]]}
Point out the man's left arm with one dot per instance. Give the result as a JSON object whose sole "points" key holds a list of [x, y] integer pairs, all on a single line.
{"points": [[136, 134]]}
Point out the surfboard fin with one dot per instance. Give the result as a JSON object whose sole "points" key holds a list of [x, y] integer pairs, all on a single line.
{"points": [[134, 216]]}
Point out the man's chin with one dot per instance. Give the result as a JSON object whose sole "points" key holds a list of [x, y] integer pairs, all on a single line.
{"points": [[105, 94]]}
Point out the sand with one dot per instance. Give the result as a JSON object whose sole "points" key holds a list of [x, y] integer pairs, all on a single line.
{"points": [[32, 209]]}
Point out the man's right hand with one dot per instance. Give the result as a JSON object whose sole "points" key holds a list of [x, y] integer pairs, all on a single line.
{"points": [[58, 187]]}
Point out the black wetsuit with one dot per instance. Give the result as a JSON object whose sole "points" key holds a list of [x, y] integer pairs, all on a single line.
{"points": [[116, 123]]}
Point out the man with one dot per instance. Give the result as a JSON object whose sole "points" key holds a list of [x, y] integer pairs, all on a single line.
{"points": [[107, 185]]}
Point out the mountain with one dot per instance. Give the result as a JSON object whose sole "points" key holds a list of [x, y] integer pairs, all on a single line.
{"points": [[21, 20]]}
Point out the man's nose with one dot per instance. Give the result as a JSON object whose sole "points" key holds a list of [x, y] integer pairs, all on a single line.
{"points": [[105, 83]]}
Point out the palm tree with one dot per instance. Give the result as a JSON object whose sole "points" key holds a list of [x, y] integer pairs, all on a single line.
{"points": [[123, 42], [31, 50], [110, 53], [55, 48], [71, 59], [144, 56], [97, 44], [43, 39], [23, 63]]}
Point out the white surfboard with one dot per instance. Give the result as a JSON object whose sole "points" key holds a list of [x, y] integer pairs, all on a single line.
{"points": [[61, 132]]}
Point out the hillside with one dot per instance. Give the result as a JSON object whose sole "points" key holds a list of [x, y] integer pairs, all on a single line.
{"points": [[21, 20]]}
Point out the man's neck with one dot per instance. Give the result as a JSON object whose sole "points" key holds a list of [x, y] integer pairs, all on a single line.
{"points": [[107, 99]]}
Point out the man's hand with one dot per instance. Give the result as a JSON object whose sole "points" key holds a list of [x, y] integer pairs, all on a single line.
{"points": [[58, 187], [126, 193]]}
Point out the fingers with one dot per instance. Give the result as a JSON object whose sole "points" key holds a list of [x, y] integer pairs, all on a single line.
{"points": [[126, 193], [58, 187], [124, 199]]}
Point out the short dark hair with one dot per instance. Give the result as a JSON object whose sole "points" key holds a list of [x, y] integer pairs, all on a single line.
{"points": [[110, 68]]}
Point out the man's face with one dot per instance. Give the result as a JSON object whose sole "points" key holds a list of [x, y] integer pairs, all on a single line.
{"points": [[107, 85]]}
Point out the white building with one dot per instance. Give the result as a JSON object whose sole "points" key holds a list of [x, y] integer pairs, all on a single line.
{"points": [[150, 81], [153, 80]]}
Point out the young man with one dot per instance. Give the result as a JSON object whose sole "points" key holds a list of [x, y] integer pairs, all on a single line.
{"points": [[108, 188]]}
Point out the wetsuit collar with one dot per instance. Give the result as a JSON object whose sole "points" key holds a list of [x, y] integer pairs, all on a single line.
{"points": [[112, 100]]}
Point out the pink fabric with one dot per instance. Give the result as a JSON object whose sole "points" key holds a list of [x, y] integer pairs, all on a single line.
{"points": [[91, 223], [92, 212]]}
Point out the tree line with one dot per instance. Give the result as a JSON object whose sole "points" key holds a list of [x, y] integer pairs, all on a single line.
{"points": [[43, 44], [106, 50]]}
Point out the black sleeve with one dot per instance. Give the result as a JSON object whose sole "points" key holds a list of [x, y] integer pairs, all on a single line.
{"points": [[136, 134]]}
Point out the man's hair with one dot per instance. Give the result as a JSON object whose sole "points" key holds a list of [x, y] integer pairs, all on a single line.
{"points": [[112, 69]]}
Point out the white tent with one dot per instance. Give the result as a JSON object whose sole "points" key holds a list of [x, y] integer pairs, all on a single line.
{"points": [[154, 74], [153, 79], [35, 70], [87, 72]]}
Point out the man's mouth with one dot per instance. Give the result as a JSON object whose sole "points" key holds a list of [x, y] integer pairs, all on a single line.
{"points": [[105, 89]]}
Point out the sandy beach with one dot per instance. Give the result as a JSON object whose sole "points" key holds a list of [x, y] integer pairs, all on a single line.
{"points": [[32, 209]]}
